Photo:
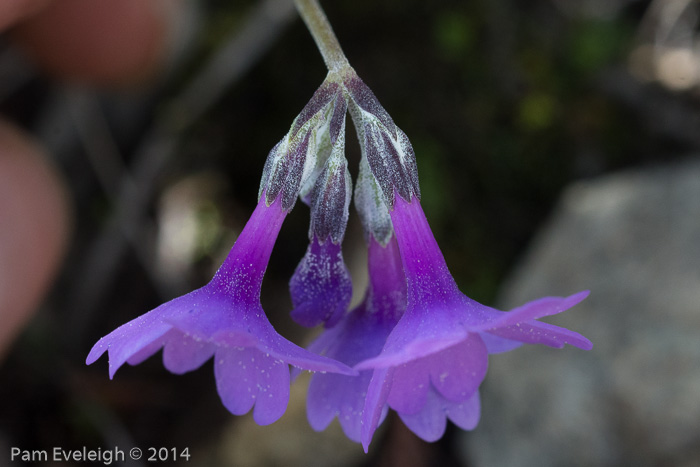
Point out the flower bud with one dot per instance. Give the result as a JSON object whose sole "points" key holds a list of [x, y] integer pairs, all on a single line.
{"points": [[321, 288]]}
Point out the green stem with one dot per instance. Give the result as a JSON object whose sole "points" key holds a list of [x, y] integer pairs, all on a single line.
{"points": [[322, 32]]}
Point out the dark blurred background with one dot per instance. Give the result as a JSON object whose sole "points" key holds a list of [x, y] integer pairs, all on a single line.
{"points": [[506, 103]]}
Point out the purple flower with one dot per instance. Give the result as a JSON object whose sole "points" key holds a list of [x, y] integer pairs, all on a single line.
{"points": [[360, 335], [224, 319], [434, 360], [321, 288]]}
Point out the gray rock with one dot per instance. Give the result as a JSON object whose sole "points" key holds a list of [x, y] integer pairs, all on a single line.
{"points": [[633, 239]]}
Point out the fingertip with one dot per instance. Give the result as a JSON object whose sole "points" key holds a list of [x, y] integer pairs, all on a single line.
{"points": [[110, 42], [35, 228], [12, 11]]}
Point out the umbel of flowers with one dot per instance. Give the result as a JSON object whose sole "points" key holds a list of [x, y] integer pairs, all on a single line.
{"points": [[415, 344]]}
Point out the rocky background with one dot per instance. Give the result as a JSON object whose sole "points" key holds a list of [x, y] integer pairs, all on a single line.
{"points": [[557, 143], [633, 239]]}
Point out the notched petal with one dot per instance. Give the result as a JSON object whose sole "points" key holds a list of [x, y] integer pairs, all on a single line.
{"points": [[430, 422], [409, 387], [182, 353], [457, 371], [464, 414]]}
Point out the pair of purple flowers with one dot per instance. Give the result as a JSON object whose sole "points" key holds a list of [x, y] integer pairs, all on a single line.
{"points": [[415, 344]]}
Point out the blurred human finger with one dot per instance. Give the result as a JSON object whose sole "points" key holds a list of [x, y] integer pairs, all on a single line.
{"points": [[34, 226], [12, 11], [102, 42]]}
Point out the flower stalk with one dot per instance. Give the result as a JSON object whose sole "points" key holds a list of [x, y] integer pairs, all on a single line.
{"points": [[322, 32]]}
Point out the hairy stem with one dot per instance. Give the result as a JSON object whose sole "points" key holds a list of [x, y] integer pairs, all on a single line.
{"points": [[322, 32]]}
